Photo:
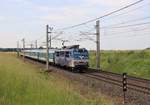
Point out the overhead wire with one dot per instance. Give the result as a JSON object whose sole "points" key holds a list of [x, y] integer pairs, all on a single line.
{"points": [[129, 21], [88, 37], [130, 25], [124, 32], [84, 23], [129, 11], [108, 14], [148, 34]]}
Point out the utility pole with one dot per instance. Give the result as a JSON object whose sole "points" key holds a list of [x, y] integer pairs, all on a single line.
{"points": [[17, 48], [50, 41], [98, 44], [47, 45], [23, 41], [50, 37], [47, 49]]}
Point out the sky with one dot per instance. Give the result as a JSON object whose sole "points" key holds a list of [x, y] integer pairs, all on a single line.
{"points": [[28, 19]]}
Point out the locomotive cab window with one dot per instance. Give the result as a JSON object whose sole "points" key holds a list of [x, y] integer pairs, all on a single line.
{"points": [[62, 53], [80, 50]]}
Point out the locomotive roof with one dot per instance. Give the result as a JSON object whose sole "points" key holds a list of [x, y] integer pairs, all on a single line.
{"points": [[70, 49]]}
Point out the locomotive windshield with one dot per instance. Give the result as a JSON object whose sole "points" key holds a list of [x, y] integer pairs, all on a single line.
{"points": [[80, 54]]}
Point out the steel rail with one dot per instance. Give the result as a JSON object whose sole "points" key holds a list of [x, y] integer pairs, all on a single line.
{"points": [[108, 79], [119, 75], [104, 80], [132, 84]]}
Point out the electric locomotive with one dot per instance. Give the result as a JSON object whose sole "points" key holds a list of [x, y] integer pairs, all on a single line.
{"points": [[72, 56]]}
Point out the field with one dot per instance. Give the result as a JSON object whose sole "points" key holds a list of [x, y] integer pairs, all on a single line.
{"points": [[22, 83], [135, 63]]}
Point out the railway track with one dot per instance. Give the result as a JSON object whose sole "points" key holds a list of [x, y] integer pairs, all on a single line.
{"points": [[133, 83]]}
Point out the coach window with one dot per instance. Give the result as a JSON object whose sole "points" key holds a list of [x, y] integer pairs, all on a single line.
{"points": [[57, 54], [67, 54]]}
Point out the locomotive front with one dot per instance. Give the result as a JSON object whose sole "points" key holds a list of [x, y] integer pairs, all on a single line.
{"points": [[81, 58]]}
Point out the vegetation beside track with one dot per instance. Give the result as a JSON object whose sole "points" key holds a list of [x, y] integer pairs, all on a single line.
{"points": [[22, 83], [135, 63]]}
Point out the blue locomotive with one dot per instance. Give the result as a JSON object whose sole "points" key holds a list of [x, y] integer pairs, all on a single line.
{"points": [[71, 56]]}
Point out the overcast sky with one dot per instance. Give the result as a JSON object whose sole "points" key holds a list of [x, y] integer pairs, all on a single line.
{"points": [[27, 19]]}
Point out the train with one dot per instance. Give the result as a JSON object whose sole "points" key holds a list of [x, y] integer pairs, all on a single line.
{"points": [[72, 56]]}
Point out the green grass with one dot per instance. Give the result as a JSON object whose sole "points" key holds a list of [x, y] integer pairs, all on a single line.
{"points": [[24, 84], [135, 63]]}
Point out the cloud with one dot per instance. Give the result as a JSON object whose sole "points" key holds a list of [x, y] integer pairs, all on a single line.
{"points": [[21, 1], [79, 13], [2, 18], [66, 15], [110, 3], [35, 15]]}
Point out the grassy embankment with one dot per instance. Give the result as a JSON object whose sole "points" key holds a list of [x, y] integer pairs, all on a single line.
{"points": [[24, 84], [136, 63]]}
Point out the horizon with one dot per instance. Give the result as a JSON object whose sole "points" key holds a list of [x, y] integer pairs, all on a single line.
{"points": [[87, 49]]}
